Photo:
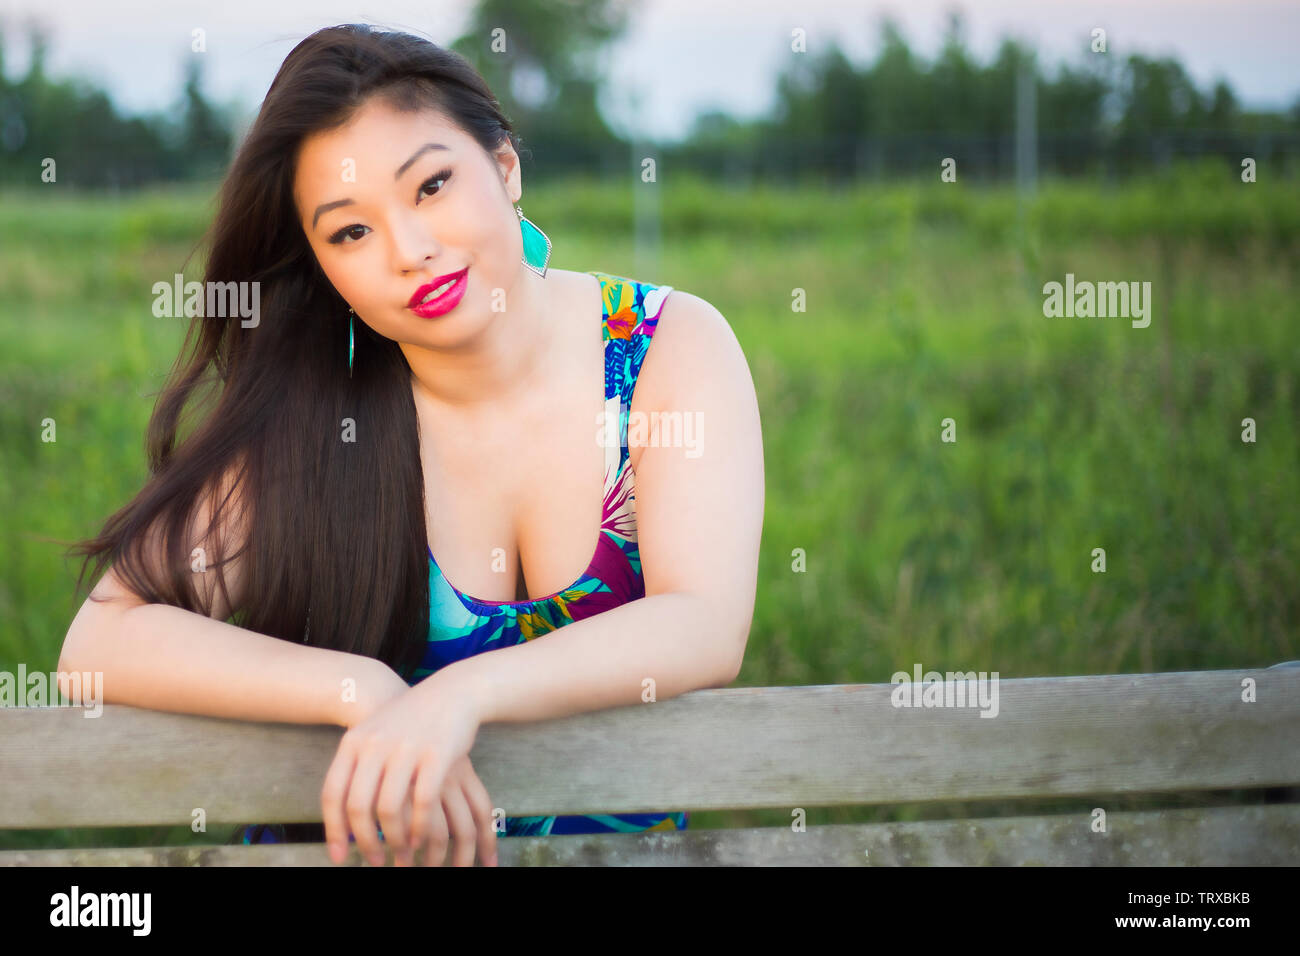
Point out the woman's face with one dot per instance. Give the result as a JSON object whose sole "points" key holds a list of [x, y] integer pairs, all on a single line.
{"points": [[386, 213]]}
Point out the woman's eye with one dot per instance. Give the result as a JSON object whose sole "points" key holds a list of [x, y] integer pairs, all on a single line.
{"points": [[340, 237], [438, 178]]}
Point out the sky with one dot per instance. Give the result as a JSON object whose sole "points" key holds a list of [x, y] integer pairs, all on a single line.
{"points": [[678, 57]]}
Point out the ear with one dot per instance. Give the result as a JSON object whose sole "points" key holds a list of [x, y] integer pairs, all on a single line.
{"points": [[507, 161]]}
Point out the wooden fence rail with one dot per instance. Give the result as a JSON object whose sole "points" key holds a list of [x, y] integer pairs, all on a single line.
{"points": [[735, 748]]}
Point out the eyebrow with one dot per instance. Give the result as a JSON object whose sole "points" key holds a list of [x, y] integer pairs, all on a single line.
{"points": [[327, 206]]}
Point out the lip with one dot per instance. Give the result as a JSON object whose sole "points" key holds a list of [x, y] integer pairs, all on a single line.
{"points": [[445, 302]]}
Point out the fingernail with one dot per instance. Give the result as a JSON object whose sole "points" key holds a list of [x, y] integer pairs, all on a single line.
{"points": [[337, 852]]}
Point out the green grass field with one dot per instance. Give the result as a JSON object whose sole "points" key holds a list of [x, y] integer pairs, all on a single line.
{"points": [[924, 302]]}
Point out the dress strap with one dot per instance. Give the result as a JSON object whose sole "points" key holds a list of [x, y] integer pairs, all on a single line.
{"points": [[631, 315]]}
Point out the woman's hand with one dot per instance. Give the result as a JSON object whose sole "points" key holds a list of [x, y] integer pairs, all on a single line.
{"points": [[464, 807], [407, 764]]}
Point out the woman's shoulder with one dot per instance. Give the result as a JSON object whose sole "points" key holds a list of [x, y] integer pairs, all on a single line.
{"points": [[683, 319]]}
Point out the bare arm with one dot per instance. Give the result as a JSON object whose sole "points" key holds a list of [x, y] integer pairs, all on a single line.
{"points": [[167, 658]]}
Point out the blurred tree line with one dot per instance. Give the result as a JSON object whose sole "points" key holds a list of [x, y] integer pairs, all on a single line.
{"points": [[899, 115], [833, 119], [77, 125]]}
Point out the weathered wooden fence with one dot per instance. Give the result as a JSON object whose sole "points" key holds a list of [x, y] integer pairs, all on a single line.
{"points": [[775, 747]]}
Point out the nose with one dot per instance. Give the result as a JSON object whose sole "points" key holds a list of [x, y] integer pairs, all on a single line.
{"points": [[413, 244]]}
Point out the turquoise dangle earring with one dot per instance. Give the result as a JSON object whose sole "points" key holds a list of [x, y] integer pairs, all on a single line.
{"points": [[351, 340], [537, 245]]}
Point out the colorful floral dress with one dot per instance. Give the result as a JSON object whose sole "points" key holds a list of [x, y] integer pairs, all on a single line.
{"points": [[461, 626]]}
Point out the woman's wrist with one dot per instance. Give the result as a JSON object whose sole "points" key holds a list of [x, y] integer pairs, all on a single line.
{"points": [[363, 685], [462, 680]]}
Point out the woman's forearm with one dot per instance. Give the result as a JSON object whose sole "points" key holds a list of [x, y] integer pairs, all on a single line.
{"points": [[648, 649], [166, 658]]}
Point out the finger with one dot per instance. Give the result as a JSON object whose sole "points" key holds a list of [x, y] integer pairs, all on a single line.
{"points": [[332, 793], [360, 805], [428, 823], [407, 857], [461, 823], [480, 805], [394, 794], [435, 845]]}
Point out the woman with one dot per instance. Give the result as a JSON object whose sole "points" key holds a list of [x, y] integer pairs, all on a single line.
{"points": [[414, 355]]}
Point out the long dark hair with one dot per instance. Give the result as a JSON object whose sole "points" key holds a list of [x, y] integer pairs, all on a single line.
{"points": [[333, 526]]}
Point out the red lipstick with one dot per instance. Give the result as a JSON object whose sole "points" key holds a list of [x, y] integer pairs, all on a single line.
{"points": [[446, 300]]}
